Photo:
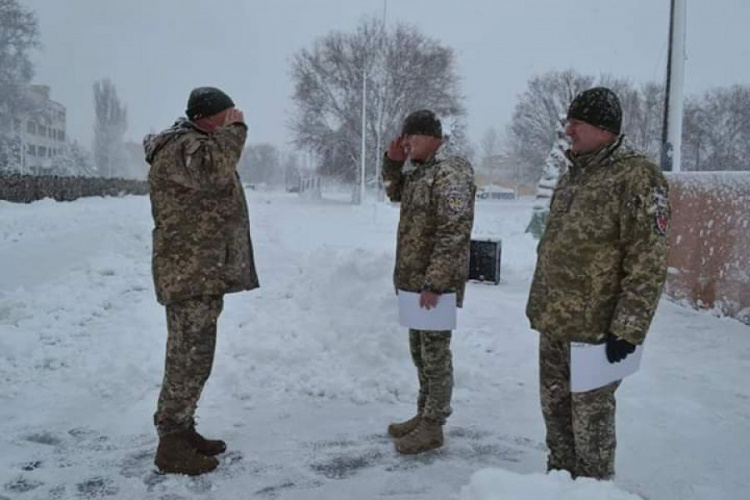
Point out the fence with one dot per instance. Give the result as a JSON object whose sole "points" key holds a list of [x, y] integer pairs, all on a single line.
{"points": [[709, 257]]}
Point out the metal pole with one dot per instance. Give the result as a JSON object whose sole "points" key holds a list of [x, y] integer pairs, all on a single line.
{"points": [[381, 95], [364, 133], [673, 106]]}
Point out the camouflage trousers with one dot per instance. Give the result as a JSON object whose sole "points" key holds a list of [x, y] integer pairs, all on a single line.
{"points": [[431, 353], [191, 343], [581, 425]]}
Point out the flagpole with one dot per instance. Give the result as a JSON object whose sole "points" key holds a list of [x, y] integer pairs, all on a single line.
{"points": [[674, 99]]}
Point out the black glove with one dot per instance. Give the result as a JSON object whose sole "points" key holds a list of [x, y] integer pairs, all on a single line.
{"points": [[618, 349]]}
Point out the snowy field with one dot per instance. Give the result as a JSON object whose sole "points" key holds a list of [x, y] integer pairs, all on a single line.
{"points": [[311, 367]]}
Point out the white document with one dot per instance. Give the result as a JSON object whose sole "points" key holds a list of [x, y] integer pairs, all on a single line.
{"points": [[590, 368], [440, 317]]}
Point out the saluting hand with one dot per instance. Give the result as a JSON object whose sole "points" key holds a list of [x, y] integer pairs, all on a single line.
{"points": [[396, 149], [234, 115]]}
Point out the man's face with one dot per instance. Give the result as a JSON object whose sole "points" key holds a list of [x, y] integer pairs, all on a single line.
{"points": [[586, 138], [421, 147]]}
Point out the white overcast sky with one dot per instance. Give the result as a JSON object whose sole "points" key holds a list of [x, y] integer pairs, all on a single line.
{"points": [[156, 51]]}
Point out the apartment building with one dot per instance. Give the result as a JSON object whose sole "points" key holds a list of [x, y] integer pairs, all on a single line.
{"points": [[41, 130]]}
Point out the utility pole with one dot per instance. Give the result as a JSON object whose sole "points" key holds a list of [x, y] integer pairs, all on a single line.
{"points": [[381, 94], [673, 102], [364, 135]]}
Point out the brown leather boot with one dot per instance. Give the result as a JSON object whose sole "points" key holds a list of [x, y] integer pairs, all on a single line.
{"points": [[401, 429], [177, 455], [428, 435], [205, 446]]}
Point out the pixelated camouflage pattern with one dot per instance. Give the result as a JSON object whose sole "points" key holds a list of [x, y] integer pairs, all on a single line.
{"points": [[431, 353], [581, 425], [434, 232], [201, 238], [191, 343], [602, 260]]}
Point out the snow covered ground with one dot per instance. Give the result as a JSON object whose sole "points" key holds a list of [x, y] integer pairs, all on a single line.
{"points": [[311, 367]]}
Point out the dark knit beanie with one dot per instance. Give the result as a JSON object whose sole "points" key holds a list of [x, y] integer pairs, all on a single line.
{"points": [[599, 107], [207, 101], [422, 122]]}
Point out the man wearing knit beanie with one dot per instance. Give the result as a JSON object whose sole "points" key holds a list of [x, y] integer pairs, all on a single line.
{"points": [[201, 251], [436, 192], [601, 266]]}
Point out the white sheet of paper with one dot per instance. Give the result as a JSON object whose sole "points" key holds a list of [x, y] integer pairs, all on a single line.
{"points": [[441, 317], [590, 369]]}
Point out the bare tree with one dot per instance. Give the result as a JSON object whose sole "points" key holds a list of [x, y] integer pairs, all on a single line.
{"points": [[643, 123], [292, 173], [261, 164], [536, 116], [642, 113], [109, 129], [716, 130], [404, 71], [489, 151]]}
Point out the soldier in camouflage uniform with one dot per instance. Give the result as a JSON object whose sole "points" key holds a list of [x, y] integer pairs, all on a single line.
{"points": [[601, 266], [201, 251], [437, 213]]}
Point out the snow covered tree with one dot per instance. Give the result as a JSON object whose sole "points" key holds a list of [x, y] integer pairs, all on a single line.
{"points": [[404, 71], [11, 152], [19, 34], [73, 160], [456, 140], [537, 116], [109, 130], [555, 165]]}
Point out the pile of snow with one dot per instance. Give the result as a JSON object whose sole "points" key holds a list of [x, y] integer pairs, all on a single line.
{"points": [[311, 368], [499, 484]]}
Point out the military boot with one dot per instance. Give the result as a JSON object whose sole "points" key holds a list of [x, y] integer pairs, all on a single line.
{"points": [[401, 429], [205, 446], [177, 455], [428, 435]]}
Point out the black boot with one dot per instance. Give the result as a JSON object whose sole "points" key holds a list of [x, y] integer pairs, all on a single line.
{"points": [[177, 455], [209, 447]]}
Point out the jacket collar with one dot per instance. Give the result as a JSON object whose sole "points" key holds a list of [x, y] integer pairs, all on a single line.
{"points": [[436, 158], [153, 143]]}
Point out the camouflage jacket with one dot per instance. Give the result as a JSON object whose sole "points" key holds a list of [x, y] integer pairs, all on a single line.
{"points": [[434, 231], [602, 260], [201, 237]]}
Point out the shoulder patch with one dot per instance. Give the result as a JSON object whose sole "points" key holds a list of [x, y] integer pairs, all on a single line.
{"points": [[457, 200], [660, 209]]}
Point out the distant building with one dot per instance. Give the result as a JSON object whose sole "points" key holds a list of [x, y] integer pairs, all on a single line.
{"points": [[494, 192], [41, 130]]}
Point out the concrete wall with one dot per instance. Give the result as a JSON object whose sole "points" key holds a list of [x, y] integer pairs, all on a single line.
{"points": [[709, 258]]}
